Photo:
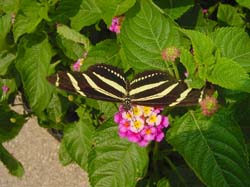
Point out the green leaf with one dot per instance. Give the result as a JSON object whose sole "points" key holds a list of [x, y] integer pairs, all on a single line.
{"points": [[203, 46], [78, 140], [213, 147], [70, 49], [9, 6], [5, 26], [5, 60], [229, 74], [10, 123], [203, 49], [54, 109], [14, 166], [108, 109], [88, 14], [163, 183], [176, 8], [203, 24], [115, 161], [72, 35], [229, 15], [234, 43], [245, 3], [188, 61], [33, 60], [64, 155], [145, 35], [100, 54], [113, 8], [28, 17], [65, 9]]}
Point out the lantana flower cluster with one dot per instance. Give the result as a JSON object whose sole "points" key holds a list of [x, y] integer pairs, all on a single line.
{"points": [[77, 65], [5, 89], [116, 24], [209, 105], [141, 124], [170, 54]]}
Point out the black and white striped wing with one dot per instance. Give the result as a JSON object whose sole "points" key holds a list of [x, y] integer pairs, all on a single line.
{"points": [[156, 88], [102, 82]]}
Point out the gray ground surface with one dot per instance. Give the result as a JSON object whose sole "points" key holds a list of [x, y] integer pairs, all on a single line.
{"points": [[37, 150]]}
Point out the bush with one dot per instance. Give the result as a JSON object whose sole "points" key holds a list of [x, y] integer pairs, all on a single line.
{"points": [[205, 43]]}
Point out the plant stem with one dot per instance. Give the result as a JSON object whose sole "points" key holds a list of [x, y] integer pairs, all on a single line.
{"points": [[155, 158], [170, 70], [182, 180], [176, 72]]}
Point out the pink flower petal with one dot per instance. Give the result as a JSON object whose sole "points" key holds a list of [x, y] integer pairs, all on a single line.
{"points": [[164, 121], [159, 137], [143, 143]]}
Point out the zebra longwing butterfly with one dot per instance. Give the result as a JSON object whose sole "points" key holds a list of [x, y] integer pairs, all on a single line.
{"points": [[108, 83]]}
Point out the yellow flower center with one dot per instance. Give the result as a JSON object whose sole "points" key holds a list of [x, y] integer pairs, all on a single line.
{"points": [[146, 110], [137, 124], [152, 119]]}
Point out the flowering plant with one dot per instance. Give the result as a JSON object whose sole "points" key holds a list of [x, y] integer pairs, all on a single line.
{"points": [[141, 124], [205, 43]]}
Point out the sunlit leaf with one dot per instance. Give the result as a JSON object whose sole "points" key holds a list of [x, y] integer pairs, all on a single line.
{"points": [[115, 161], [33, 59], [213, 147]]}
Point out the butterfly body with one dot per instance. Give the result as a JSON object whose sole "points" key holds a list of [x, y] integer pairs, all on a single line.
{"points": [[108, 83]]}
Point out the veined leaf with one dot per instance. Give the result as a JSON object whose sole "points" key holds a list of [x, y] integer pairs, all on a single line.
{"points": [[245, 3], [114, 161], [234, 43], [10, 123], [203, 49], [163, 183], [203, 46], [65, 10], [73, 35], [33, 60], [145, 35], [187, 60], [14, 166], [64, 155], [88, 14], [213, 147], [108, 109], [229, 15], [229, 74], [55, 108], [28, 17], [113, 8], [9, 6], [99, 53], [5, 60], [78, 140], [176, 8], [5, 25], [70, 48]]}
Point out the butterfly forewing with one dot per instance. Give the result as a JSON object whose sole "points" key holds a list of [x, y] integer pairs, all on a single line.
{"points": [[156, 88], [99, 82], [68, 82], [109, 79]]}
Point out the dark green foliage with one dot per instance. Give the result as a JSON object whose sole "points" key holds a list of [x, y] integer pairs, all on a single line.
{"points": [[40, 37]]}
